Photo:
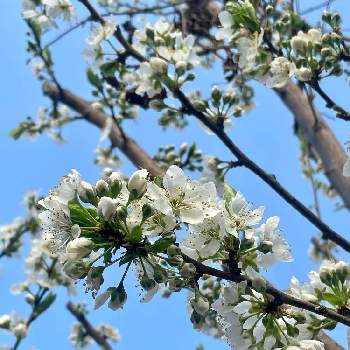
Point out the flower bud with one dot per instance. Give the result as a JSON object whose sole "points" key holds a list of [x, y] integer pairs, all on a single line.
{"points": [[78, 248], [138, 183], [180, 67], [5, 321], [87, 193], [106, 208], [147, 283], [200, 305], [343, 270], [102, 188], [118, 297], [121, 213], [298, 44], [304, 74], [20, 330], [175, 284], [29, 298], [175, 260], [188, 270], [115, 183], [173, 250], [158, 65], [216, 93], [197, 320], [76, 269], [199, 105], [265, 247], [326, 275], [159, 274]]}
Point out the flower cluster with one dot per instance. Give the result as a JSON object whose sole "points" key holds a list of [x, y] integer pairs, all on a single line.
{"points": [[138, 221], [46, 12], [273, 61], [166, 47]]}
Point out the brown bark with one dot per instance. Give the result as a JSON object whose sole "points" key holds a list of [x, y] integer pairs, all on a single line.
{"points": [[118, 138], [320, 136], [328, 342]]}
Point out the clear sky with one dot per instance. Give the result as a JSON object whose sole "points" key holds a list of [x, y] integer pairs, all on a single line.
{"points": [[265, 134]]}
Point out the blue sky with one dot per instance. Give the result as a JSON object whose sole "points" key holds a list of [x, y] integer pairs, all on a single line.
{"points": [[265, 134]]}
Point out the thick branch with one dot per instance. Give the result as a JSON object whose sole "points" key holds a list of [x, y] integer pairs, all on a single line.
{"points": [[118, 138], [280, 297], [328, 342], [88, 327], [320, 136]]}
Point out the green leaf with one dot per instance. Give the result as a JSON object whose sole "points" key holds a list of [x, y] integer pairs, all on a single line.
{"points": [[93, 79], [80, 215], [109, 68], [135, 235], [16, 133], [45, 304], [229, 193], [160, 245], [332, 298]]}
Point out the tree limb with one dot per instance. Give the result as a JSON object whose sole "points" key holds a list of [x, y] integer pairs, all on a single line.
{"points": [[328, 342], [320, 136], [279, 296], [88, 327], [118, 138]]}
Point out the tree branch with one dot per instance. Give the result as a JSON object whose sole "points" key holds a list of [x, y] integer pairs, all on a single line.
{"points": [[280, 297], [320, 136], [328, 342], [118, 138], [327, 232], [88, 327]]}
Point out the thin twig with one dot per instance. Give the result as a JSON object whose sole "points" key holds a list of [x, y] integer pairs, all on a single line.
{"points": [[88, 327]]}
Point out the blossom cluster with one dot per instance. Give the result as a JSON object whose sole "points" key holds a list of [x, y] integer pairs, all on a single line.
{"points": [[304, 55], [160, 227]]}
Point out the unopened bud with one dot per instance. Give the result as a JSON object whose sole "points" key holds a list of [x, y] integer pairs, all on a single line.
{"points": [[160, 275], [118, 297], [200, 305], [147, 283], [188, 270], [115, 183], [20, 330], [137, 184], [173, 250], [78, 248], [29, 298], [106, 208], [5, 321], [158, 65], [175, 260], [87, 193], [175, 284], [102, 188], [216, 93], [304, 74]]}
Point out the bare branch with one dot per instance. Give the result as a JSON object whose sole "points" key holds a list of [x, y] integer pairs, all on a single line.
{"points": [[88, 327], [118, 138]]}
